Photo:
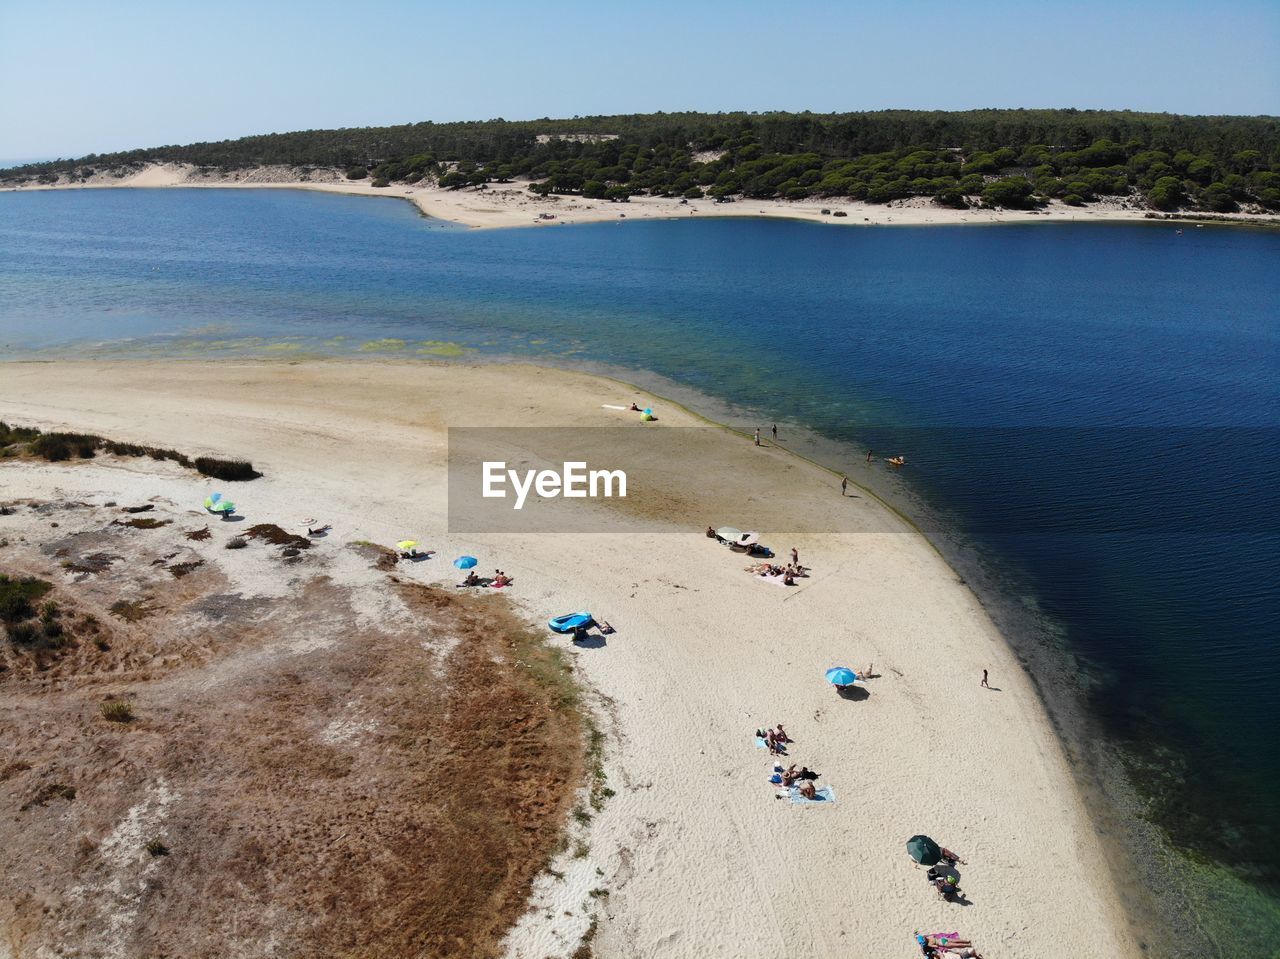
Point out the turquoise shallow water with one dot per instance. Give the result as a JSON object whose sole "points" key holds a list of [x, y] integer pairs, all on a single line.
{"points": [[1094, 408]]}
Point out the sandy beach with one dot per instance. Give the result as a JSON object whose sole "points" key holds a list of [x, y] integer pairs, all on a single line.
{"points": [[693, 854], [501, 205]]}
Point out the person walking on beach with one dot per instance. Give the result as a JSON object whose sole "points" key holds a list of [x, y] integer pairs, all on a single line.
{"points": [[869, 452], [757, 436], [985, 684], [844, 485], [795, 557], [775, 432]]}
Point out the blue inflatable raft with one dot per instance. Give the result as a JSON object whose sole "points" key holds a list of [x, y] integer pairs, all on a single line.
{"points": [[571, 622]]}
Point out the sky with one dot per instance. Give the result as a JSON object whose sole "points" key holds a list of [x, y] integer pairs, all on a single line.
{"points": [[85, 77]]}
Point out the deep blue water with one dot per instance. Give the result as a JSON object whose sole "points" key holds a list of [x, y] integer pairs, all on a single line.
{"points": [[1096, 407]]}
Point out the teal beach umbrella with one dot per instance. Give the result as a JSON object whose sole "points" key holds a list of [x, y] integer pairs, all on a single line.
{"points": [[924, 850], [841, 676], [465, 562]]}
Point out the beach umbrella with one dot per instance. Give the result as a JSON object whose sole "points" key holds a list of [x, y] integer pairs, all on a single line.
{"points": [[842, 676], [216, 504], [924, 850], [730, 533], [749, 539], [406, 544], [465, 562]]}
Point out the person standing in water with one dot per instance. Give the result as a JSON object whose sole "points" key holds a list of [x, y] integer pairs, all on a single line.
{"points": [[775, 432], [869, 452]]}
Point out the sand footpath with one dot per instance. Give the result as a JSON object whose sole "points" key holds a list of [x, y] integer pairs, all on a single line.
{"points": [[693, 855], [501, 205]]}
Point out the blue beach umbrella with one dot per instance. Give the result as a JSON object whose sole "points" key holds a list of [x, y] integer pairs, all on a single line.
{"points": [[841, 676], [465, 562]]}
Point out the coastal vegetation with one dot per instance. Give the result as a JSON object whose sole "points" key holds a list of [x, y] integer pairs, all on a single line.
{"points": [[1004, 158], [56, 447]]}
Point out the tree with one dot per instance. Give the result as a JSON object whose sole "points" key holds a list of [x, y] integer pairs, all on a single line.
{"points": [[594, 190], [356, 173], [1166, 194], [1012, 192]]}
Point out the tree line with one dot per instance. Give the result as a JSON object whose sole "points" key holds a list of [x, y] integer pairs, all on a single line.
{"points": [[1007, 158]]}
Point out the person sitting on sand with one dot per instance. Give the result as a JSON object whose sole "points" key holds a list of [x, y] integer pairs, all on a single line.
{"points": [[788, 578], [808, 790], [865, 674], [711, 533], [790, 776], [501, 579], [471, 580], [947, 854], [634, 408], [781, 734]]}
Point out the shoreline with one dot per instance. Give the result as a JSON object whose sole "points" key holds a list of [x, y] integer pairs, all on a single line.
{"points": [[1033, 713], [501, 206]]}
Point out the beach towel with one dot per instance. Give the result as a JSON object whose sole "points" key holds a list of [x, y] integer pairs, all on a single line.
{"points": [[776, 580], [825, 795], [610, 406], [760, 743]]}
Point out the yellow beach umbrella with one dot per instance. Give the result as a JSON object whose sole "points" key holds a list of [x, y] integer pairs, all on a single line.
{"points": [[406, 544]]}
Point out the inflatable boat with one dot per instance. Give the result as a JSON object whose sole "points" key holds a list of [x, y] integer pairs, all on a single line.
{"points": [[570, 622]]}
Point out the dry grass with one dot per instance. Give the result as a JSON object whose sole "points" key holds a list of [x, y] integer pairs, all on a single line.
{"points": [[416, 834], [270, 533], [133, 610], [142, 522]]}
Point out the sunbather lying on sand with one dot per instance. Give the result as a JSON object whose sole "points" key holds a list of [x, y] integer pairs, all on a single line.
{"points": [[935, 943], [808, 790]]}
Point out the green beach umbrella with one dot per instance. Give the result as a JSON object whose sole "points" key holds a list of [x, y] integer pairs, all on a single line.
{"points": [[216, 504], [924, 850]]}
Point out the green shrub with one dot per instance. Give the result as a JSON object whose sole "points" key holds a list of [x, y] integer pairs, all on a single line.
{"points": [[18, 597], [117, 711], [226, 469], [55, 447], [356, 173]]}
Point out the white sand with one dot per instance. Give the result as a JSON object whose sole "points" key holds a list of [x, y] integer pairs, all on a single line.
{"points": [[511, 204], [697, 855]]}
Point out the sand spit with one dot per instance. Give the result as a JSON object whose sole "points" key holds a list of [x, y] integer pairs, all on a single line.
{"points": [[688, 852], [500, 205]]}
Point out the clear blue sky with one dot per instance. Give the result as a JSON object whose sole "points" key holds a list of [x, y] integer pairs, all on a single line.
{"points": [[99, 76]]}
